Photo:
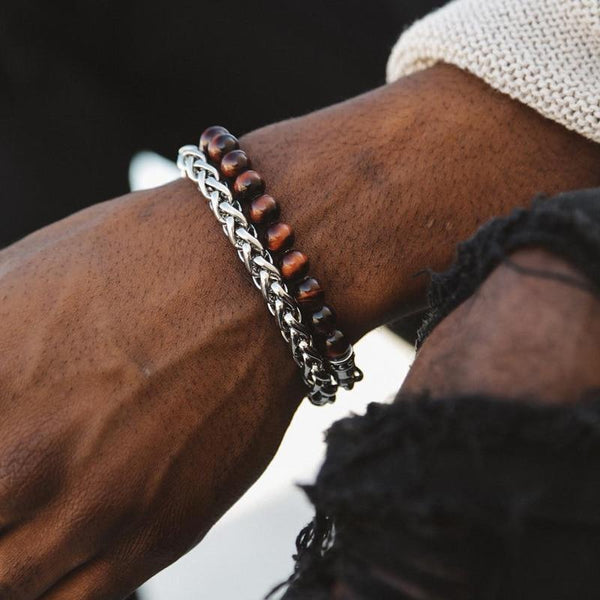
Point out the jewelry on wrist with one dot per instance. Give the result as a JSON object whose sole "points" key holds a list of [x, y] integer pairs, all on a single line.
{"points": [[250, 219]]}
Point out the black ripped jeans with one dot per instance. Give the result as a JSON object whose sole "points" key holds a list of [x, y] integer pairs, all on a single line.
{"points": [[467, 497]]}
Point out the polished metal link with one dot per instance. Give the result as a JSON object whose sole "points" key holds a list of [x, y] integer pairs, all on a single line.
{"points": [[322, 377]]}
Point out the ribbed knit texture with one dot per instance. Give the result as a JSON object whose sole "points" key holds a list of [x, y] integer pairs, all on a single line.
{"points": [[544, 53]]}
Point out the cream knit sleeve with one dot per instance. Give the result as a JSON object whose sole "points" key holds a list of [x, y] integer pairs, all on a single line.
{"points": [[545, 53]]}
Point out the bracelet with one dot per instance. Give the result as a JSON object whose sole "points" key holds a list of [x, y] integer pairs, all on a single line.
{"points": [[324, 356]]}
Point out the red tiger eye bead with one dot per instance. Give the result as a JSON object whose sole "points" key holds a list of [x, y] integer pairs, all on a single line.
{"points": [[234, 163], [279, 237], [263, 209], [294, 265], [336, 345], [220, 145], [208, 134], [323, 320], [309, 293], [248, 185]]}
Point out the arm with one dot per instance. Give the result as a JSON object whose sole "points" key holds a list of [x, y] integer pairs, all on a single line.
{"points": [[385, 185], [143, 386]]}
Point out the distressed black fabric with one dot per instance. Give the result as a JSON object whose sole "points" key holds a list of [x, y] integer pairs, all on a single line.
{"points": [[467, 497], [457, 498], [567, 225]]}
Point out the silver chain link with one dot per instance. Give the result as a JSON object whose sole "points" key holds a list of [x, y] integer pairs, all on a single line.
{"points": [[322, 377]]}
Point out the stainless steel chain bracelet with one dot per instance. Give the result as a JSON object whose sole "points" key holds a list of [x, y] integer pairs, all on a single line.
{"points": [[323, 377]]}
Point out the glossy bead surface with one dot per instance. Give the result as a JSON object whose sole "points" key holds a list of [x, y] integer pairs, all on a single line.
{"points": [[208, 134], [336, 345], [294, 265], [234, 163], [309, 293], [263, 209], [324, 319], [279, 237], [221, 144], [248, 185]]}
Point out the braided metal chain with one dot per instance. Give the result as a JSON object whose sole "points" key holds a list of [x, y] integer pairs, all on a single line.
{"points": [[322, 377]]}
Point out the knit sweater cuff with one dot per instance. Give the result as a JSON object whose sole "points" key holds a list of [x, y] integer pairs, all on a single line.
{"points": [[544, 53]]}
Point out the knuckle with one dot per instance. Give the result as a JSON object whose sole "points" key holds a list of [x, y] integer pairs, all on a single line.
{"points": [[30, 471], [7, 591], [17, 579]]}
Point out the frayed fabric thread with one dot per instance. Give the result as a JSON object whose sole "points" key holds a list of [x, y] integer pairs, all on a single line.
{"points": [[567, 225], [465, 476]]}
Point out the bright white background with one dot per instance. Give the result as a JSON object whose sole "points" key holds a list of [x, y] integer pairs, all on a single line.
{"points": [[249, 550]]}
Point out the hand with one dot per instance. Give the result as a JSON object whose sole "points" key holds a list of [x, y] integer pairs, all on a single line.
{"points": [[143, 388], [143, 385]]}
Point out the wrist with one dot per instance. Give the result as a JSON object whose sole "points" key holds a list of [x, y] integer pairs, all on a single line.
{"points": [[386, 184]]}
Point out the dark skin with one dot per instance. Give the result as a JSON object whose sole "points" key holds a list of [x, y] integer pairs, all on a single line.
{"points": [[144, 387], [520, 335]]}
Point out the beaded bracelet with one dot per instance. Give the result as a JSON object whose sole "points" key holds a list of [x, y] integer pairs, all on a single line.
{"points": [[306, 323]]}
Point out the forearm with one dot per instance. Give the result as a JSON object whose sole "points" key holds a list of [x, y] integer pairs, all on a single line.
{"points": [[384, 185]]}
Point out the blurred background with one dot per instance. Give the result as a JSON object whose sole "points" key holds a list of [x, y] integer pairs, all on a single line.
{"points": [[93, 95], [86, 84]]}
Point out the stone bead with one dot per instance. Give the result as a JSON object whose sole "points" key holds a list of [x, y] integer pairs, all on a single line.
{"points": [[234, 163], [294, 265], [263, 209], [309, 293], [221, 144], [208, 134], [335, 345], [279, 237], [248, 185], [324, 319]]}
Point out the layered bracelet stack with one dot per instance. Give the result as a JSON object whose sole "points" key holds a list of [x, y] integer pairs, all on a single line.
{"points": [[250, 219]]}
